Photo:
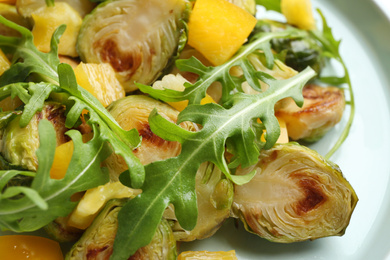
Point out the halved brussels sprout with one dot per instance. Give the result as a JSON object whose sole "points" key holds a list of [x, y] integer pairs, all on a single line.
{"points": [[18, 145], [322, 109], [214, 198], [59, 230], [133, 112], [138, 47], [97, 241], [295, 195]]}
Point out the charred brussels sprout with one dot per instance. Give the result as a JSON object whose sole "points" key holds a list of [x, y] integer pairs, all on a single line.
{"points": [[133, 112], [299, 53], [97, 241], [138, 47], [323, 108], [18, 145], [61, 231], [296, 195], [214, 197]]}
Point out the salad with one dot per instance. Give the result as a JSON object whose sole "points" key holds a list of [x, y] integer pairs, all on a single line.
{"points": [[127, 127]]}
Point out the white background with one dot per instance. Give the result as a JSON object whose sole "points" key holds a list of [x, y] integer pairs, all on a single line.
{"points": [[385, 5]]}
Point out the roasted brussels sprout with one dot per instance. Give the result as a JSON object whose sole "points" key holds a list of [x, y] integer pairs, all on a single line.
{"points": [[133, 112], [59, 230], [295, 195], [18, 145], [138, 47], [299, 53], [97, 241], [322, 109], [214, 198]]}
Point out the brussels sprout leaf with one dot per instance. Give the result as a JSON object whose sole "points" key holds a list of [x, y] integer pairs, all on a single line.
{"points": [[173, 180], [30, 208]]}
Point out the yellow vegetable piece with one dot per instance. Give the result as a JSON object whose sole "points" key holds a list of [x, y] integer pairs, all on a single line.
{"points": [[100, 81], [62, 157], [47, 19], [217, 29], [95, 199], [4, 62], [176, 82], [283, 137], [207, 255], [22, 247], [298, 13]]}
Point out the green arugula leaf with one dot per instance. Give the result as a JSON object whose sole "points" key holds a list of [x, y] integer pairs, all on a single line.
{"points": [[207, 75], [47, 198], [332, 50], [173, 180]]}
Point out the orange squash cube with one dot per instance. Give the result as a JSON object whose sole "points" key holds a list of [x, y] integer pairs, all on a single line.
{"points": [[218, 28]]}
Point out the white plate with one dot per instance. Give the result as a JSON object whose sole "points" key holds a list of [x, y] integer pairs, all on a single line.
{"points": [[364, 158]]}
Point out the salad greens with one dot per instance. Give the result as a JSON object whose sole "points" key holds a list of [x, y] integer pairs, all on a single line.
{"points": [[331, 50], [173, 180], [232, 124], [63, 81]]}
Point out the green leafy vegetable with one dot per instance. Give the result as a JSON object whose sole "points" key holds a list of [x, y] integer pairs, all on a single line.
{"points": [[207, 75], [27, 60], [48, 198], [331, 50], [173, 180]]}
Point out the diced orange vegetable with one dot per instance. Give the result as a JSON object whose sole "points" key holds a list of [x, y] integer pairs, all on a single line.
{"points": [[207, 255], [298, 13], [218, 28], [22, 247], [62, 157], [283, 137], [100, 81], [47, 19]]}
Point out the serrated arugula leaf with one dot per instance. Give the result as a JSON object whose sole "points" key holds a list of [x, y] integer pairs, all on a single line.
{"points": [[47, 198], [26, 59], [332, 50], [207, 75], [173, 180], [123, 142]]}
